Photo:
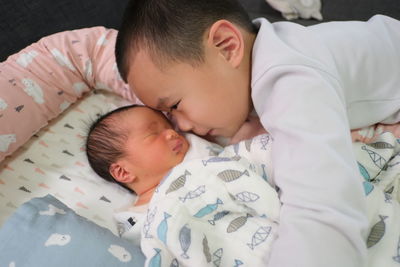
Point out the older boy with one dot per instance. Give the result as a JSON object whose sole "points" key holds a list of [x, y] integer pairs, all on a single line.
{"points": [[205, 62]]}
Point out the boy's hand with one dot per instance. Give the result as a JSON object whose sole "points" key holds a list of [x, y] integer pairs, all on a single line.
{"points": [[250, 128]]}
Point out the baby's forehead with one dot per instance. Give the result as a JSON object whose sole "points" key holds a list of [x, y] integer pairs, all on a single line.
{"points": [[144, 117]]}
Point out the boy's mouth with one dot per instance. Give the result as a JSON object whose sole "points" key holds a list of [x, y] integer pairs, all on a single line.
{"points": [[210, 132]]}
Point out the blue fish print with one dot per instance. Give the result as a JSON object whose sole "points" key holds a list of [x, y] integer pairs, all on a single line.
{"points": [[264, 174], [368, 187], [162, 229], [208, 209], [259, 236], [238, 263], [218, 216], [364, 172], [185, 240], [193, 194], [156, 259]]}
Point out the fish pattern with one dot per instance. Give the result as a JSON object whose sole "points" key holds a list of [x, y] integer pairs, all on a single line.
{"points": [[209, 208], [231, 175], [246, 196], [155, 261], [259, 236], [206, 250], [185, 240], [220, 159], [377, 232], [178, 182], [184, 216], [218, 216], [174, 263], [236, 223], [396, 258], [381, 145], [203, 203], [194, 193], [377, 159], [217, 256], [163, 229]]}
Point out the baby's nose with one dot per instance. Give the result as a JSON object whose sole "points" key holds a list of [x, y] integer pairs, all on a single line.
{"points": [[171, 134]]}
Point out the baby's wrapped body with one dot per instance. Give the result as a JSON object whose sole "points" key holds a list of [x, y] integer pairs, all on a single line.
{"points": [[223, 209]]}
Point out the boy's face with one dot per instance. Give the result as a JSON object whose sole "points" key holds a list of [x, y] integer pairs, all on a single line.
{"points": [[212, 98], [153, 147]]}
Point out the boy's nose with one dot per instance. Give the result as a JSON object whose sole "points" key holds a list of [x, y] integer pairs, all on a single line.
{"points": [[183, 123]]}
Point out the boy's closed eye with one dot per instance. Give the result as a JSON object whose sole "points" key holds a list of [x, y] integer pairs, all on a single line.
{"points": [[174, 107]]}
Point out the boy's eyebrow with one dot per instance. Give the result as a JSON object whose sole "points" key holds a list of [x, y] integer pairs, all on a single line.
{"points": [[161, 103]]}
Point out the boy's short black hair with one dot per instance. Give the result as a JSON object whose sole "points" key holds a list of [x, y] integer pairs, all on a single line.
{"points": [[172, 29], [105, 143]]}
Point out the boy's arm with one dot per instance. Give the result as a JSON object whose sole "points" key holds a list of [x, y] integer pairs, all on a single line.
{"points": [[323, 217]]}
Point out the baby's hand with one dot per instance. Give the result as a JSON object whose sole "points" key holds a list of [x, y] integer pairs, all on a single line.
{"points": [[252, 127]]}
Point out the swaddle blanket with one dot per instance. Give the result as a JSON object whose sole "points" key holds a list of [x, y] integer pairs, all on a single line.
{"points": [[211, 211], [224, 210]]}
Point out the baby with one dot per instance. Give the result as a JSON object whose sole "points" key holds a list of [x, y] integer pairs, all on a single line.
{"points": [[215, 208], [135, 146], [196, 209]]}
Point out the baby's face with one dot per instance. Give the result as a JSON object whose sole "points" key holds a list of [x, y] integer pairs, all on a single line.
{"points": [[153, 147], [212, 98]]}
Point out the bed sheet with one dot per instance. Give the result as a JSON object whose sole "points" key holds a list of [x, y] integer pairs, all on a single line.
{"points": [[54, 162]]}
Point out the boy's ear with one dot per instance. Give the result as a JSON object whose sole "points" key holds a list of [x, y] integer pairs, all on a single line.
{"points": [[121, 174], [228, 39]]}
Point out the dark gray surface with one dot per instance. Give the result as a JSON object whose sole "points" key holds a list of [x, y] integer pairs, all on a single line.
{"points": [[331, 10], [23, 22]]}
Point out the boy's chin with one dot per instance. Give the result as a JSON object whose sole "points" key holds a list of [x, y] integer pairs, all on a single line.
{"points": [[221, 140]]}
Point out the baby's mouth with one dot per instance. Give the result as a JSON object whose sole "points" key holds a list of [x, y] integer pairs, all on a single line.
{"points": [[178, 146]]}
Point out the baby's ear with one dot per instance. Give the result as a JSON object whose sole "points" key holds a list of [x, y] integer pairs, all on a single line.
{"points": [[228, 39], [120, 173]]}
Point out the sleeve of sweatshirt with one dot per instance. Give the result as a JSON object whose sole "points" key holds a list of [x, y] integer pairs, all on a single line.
{"points": [[323, 217]]}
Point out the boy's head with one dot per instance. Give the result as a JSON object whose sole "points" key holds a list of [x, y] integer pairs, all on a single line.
{"points": [[190, 58], [134, 146]]}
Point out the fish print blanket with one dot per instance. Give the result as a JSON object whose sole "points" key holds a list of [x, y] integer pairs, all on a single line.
{"points": [[224, 210], [212, 211]]}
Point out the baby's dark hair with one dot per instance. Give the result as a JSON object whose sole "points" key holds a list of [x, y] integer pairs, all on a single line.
{"points": [[172, 29], [105, 143]]}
